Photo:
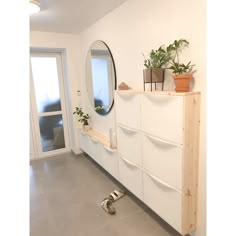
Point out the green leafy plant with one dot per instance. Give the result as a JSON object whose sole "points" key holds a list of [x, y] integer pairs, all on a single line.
{"points": [[157, 58], [83, 117], [99, 108], [173, 50]]}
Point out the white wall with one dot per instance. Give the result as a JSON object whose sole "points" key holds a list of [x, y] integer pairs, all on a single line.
{"points": [[69, 44], [137, 27]]}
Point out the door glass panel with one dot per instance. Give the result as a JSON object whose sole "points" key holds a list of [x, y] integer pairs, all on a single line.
{"points": [[44, 70], [51, 132]]}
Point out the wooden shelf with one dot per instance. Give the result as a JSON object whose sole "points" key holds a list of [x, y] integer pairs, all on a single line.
{"points": [[98, 137], [171, 93]]}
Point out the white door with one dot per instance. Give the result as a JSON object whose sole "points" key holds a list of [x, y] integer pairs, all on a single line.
{"points": [[48, 110], [32, 140]]}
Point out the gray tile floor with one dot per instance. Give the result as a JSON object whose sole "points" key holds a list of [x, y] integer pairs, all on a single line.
{"points": [[65, 196]]}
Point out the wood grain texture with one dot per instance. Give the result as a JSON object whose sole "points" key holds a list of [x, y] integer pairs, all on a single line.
{"points": [[97, 136], [190, 163], [164, 93]]}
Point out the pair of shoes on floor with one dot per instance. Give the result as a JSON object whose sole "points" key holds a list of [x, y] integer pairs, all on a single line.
{"points": [[116, 194], [107, 206], [107, 202]]}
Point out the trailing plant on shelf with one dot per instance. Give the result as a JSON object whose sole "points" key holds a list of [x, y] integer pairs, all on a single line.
{"points": [[182, 72], [83, 117]]}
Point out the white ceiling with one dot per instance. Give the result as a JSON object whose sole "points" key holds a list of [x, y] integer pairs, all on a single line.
{"points": [[70, 16]]}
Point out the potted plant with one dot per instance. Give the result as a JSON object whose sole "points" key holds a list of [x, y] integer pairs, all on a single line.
{"points": [[154, 72], [182, 72], [83, 117]]}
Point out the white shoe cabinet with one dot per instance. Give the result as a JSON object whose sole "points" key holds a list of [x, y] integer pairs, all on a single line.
{"points": [[158, 141]]}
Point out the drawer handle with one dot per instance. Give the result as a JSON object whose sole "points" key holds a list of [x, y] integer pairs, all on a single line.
{"points": [[161, 99], [126, 95], [109, 149], [162, 183], [128, 130], [128, 162], [94, 140], [160, 142]]}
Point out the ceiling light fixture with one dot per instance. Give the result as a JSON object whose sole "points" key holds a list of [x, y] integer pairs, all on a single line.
{"points": [[34, 6]]}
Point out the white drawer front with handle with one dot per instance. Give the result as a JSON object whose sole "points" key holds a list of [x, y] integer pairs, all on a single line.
{"points": [[163, 160], [95, 149], [131, 177], [129, 144], [90, 146], [84, 143], [162, 116], [109, 160], [163, 199], [128, 109]]}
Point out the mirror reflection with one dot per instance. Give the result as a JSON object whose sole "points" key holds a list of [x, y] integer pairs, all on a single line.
{"points": [[100, 77]]}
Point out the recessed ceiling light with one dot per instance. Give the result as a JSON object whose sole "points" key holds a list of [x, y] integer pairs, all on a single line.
{"points": [[34, 6]]}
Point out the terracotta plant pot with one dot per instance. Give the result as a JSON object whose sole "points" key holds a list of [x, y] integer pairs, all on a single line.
{"points": [[182, 82], [153, 75]]}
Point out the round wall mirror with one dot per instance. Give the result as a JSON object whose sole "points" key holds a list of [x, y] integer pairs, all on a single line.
{"points": [[100, 77]]}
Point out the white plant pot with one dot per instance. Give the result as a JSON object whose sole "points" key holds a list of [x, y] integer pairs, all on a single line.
{"points": [[86, 127]]}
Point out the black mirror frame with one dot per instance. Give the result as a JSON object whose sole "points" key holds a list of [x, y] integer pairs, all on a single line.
{"points": [[115, 78]]}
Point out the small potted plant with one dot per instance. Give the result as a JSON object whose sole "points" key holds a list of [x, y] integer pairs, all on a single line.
{"points": [[83, 117], [155, 65], [182, 72]]}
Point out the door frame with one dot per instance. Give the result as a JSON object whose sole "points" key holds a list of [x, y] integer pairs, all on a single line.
{"points": [[33, 106]]}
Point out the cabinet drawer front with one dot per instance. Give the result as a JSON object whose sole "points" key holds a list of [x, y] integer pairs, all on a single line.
{"points": [[91, 147], [95, 150], [163, 160], [131, 177], [84, 143], [109, 161], [165, 201], [162, 116], [128, 109], [129, 144]]}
